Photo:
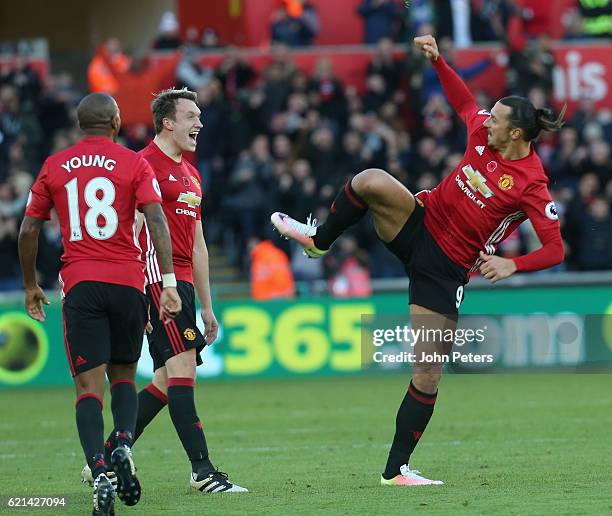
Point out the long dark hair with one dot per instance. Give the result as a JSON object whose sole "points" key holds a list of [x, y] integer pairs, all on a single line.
{"points": [[523, 115]]}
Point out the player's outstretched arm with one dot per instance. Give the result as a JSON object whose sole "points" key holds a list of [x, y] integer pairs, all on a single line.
{"points": [[201, 279], [456, 91], [169, 302], [28, 249]]}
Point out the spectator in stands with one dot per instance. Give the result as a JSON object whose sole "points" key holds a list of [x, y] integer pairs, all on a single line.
{"points": [[23, 77], [419, 15], [189, 71], [452, 19], [19, 127], [564, 166], [585, 112], [596, 243], [599, 161], [573, 23], [534, 17], [385, 64], [210, 39], [347, 269], [55, 108], [490, 19], [271, 276], [587, 191], [214, 137], [168, 37], [251, 189], [379, 20], [327, 92], [296, 23], [532, 67], [106, 63], [192, 38], [234, 72], [282, 60]]}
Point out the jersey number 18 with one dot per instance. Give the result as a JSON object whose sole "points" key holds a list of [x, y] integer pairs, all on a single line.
{"points": [[98, 207]]}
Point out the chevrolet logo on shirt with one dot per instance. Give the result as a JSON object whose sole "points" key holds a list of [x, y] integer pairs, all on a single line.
{"points": [[476, 181], [190, 198]]}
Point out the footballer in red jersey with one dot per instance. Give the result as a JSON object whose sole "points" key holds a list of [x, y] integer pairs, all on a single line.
{"points": [[96, 186], [443, 234], [175, 347]]}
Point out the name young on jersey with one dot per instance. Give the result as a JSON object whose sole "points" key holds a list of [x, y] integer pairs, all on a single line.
{"points": [[89, 160]]}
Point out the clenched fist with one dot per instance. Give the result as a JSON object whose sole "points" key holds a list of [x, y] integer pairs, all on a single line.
{"points": [[427, 44]]}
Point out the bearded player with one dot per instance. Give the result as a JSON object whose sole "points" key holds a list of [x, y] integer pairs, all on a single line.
{"points": [[175, 348], [443, 234]]}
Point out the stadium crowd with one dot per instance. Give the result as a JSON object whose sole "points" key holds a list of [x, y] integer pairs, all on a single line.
{"points": [[283, 140]]}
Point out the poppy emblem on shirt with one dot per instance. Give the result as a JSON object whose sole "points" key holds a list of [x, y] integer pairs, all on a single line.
{"points": [[506, 182], [491, 166], [186, 181]]}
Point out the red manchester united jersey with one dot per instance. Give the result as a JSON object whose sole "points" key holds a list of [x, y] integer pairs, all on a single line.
{"points": [[182, 197], [96, 187], [486, 197]]}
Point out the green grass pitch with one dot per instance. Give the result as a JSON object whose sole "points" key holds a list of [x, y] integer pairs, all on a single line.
{"points": [[504, 444]]}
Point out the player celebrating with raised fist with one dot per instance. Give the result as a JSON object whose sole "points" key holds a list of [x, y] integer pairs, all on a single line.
{"points": [[443, 234]]}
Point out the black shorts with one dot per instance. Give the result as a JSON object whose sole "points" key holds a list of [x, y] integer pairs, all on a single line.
{"points": [[436, 282], [168, 340], [103, 323]]}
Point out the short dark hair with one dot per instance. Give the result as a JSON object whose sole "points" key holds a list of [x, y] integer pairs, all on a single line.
{"points": [[96, 112], [524, 115], [164, 105]]}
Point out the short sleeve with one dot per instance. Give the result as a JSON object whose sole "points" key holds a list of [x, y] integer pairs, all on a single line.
{"points": [[39, 200], [146, 186]]}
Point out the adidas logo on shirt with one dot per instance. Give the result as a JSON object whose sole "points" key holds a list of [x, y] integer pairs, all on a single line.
{"points": [[172, 178], [480, 149]]}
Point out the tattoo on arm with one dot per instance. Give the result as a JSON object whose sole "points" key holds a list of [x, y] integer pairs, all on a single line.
{"points": [[160, 235]]}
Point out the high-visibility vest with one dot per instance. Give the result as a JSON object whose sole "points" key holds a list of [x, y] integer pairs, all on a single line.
{"points": [[101, 78], [271, 275], [352, 280]]}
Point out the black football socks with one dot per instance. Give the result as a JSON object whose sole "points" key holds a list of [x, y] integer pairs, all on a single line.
{"points": [[124, 406], [150, 403], [90, 425], [181, 405], [347, 209], [412, 418]]}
